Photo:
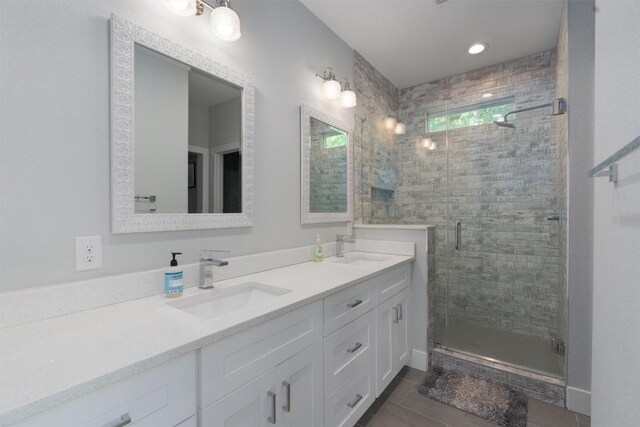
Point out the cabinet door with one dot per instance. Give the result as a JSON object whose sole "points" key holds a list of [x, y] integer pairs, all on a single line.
{"points": [[386, 314], [401, 350], [252, 405], [299, 385]]}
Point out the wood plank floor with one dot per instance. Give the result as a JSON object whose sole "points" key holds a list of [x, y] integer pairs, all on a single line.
{"points": [[402, 406]]}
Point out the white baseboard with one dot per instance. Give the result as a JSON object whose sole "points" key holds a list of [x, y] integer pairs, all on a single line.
{"points": [[579, 401], [418, 359]]}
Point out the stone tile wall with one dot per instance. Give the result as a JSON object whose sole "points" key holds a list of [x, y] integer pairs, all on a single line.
{"points": [[327, 173], [502, 184]]}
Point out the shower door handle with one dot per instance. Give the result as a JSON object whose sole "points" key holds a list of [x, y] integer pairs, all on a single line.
{"points": [[458, 235]]}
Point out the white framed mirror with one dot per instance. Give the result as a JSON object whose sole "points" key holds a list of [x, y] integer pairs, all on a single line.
{"points": [[326, 168], [182, 135]]}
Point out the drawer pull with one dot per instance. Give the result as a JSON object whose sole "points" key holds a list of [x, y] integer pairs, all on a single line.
{"points": [[287, 395], [355, 401], [355, 303], [354, 348], [272, 417], [400, 311], [395, 314], [124, 420]]}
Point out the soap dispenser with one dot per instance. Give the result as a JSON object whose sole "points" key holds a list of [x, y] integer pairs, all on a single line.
{"points": [[319, 253], [173, 278]]}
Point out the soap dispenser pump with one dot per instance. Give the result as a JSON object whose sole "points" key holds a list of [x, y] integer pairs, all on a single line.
{"points": [[173, 278]]}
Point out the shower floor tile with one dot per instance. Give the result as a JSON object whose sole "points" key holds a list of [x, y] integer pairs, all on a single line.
{"points": [[402, 406], [525, 351]]}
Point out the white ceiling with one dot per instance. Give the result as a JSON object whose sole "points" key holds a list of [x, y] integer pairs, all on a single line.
{"points": [[415, 41], [206, 91]]}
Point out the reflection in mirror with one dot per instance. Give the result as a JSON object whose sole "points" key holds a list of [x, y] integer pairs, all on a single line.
{"points": [[328, 168], [188, 139], [326, 155]]}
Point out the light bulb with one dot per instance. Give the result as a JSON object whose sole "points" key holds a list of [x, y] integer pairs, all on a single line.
{"points": [[487, 95], [348, 98], [426, 142], [432, 146], [400, 129], [331, 89], [389, 123], [225, 24], [181, 7], [477, 48]]}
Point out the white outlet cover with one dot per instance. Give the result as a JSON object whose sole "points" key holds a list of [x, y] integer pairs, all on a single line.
{"points": [[88, 253]]}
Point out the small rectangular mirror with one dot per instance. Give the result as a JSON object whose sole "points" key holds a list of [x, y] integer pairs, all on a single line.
{"points": [[326, 168]]}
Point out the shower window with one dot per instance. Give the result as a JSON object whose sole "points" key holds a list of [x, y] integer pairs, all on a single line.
{"points": [[470, 115], [335, 141]]}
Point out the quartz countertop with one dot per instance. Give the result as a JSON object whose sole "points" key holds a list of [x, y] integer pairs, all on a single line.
{"points": [[46, 363]]}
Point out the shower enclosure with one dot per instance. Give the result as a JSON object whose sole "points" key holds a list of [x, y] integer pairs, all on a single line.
{"points": [[497, 196]]}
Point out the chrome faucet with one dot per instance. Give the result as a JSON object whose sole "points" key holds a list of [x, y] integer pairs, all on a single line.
{"points": [[340, 239], [206, 270]]}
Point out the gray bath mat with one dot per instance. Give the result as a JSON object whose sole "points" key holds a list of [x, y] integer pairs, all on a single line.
{"points": [[486, 399]]}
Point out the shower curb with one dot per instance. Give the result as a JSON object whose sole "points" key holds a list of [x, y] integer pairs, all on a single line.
{"points": [[533, 385]]}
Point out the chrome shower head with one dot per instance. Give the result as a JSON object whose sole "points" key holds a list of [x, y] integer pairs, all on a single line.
{"points": [[504, 124]]}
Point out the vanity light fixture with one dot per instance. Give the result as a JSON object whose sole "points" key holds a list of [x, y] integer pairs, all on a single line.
{"points": [[477, 48], [182, 7], [400, 129], [347, 96], [389, 123], [224, 21], [428, 143], [331, 87]]}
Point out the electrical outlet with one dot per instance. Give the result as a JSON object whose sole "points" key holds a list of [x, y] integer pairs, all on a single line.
{"points": [[88, 253]]}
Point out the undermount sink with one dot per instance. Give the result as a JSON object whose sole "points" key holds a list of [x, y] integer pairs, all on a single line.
{"points": [[219, 302], [360, 259]]}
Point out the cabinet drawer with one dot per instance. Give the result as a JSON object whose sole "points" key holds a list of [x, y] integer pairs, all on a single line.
{"points": [[347, 349], [161, 396], [234, 361], [343, 307], [392, 282], [350, 401]]}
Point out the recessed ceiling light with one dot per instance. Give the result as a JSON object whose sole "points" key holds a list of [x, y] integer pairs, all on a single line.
{"points": [[487, 95], [477, 48]]}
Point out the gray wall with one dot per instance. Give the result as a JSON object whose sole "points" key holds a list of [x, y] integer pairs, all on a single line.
{"points": [[161, 131], [616, 278], [54, 165]]}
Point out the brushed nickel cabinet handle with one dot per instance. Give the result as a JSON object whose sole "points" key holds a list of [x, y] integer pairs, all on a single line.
{"points": [[395, 314], [124, 420], [354, 348], [400, 311], [272, 417], [355, 303], [287, 396], [355, 401]]}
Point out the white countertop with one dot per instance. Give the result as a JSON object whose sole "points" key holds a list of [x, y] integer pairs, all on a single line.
{"points": [[45, 363]]}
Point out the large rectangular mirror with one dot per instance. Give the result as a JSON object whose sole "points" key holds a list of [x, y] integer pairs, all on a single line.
{"points": [[326, 151], [182, 139]]}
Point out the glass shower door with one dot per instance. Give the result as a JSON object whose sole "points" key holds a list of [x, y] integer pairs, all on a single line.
{"points": [[504, 296]]}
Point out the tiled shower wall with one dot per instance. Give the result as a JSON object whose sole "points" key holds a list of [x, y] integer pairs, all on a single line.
{"points": [[375, 149], [502, 185], [327, 173]]}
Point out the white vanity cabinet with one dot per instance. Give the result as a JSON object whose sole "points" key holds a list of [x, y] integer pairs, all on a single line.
{"points": [[270, 374], [161, 396], [392, 338]]}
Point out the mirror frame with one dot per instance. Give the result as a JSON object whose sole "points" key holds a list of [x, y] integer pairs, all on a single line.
{"points": [[306, 216], [124, 36]]}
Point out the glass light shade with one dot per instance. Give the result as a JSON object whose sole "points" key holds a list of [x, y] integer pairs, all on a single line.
{"points": [[432, 146], [487, 95], [426, 142], [225, 24], [400, 129], [331, 89], [181, 7], [348, 99], [389, 123]]}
